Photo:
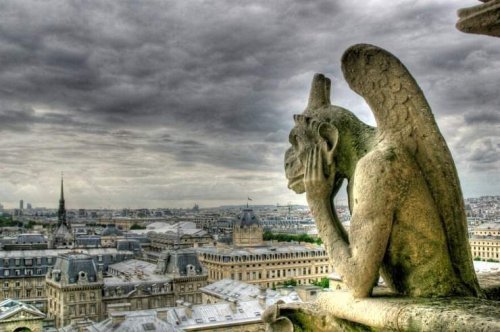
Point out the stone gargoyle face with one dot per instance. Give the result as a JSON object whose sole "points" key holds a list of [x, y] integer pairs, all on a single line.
{"points": [[305, 135]]}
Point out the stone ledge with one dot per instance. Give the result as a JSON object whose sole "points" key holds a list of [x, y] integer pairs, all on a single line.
{"points": [[389, 312]]}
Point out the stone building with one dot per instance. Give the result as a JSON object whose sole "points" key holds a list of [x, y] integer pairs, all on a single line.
{"points": [[19, 316], [247, 230], [141, 285], [28, 241], [485, 242], [165, 236], [251, 260], [22, 272], [109, 235], [74, 289], [78, 289], [228, 306]]}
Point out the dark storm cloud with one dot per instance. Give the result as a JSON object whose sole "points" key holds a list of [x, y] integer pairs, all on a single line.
{"points": [[130, 62], [142, 93], [15, 117], [492, 117]]}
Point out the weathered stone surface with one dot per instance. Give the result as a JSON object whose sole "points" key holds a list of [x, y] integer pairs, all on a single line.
{"points": [[413, 314], [408, 221], [386, 311], [306, 317], [481, 19]]}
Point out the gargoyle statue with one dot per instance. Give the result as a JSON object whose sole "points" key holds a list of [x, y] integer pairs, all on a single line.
{"points": [[408, 221]]}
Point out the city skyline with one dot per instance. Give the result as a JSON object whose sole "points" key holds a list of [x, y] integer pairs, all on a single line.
{"points": [[170, 103]]}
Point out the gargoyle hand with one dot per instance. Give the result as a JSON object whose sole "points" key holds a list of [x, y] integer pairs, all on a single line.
{"points": [[318, 185]]}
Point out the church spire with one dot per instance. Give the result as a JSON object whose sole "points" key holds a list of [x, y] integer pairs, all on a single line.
{"points": [[62, 209]]}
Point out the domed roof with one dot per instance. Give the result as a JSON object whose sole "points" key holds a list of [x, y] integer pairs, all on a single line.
{"points": [[111, 230], [247, 218]]}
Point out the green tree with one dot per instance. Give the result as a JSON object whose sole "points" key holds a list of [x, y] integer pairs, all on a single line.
{"points": [[290, 282], [323, 283], [291, 237], [137, 226]]}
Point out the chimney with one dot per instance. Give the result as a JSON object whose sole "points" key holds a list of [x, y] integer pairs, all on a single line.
{"points": [[117, 317], [232, 305], [162, 313], [262, 297], [188, 307]]}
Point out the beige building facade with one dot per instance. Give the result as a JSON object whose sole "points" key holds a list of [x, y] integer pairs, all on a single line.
{"points": [[485, 242], [253, 261]]}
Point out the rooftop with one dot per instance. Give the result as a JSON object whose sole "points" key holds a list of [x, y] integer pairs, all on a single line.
{"points": [[281, 247], [133, 321], [9, 307], [238, 291], [56, 252], [216, 315], [133, 271]]}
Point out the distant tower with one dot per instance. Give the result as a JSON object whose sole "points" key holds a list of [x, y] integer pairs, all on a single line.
{"points": [[247, 230], [63, 237], [21, 205], [61, 214]]}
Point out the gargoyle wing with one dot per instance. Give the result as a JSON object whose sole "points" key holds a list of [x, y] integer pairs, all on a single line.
{"points": [[404, 117]]}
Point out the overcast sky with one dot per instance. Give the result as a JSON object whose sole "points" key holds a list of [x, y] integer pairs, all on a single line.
{"points": [[172, 103]]}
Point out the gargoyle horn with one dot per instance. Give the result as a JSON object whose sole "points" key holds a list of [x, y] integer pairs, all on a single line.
{"points": [[320, 92]]}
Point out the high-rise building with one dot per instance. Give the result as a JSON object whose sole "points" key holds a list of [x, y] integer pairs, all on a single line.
{"points": [[28, 206], [21, 205]]}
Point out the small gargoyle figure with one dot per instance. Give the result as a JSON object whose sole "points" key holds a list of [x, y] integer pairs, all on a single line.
{"points": [[408, 219]]}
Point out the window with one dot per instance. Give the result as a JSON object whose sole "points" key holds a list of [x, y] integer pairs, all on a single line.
{"points": [[28, 261], [5, 262], [72, 297], [39, 293], [92, 296], [6, 272], [82, 296]]}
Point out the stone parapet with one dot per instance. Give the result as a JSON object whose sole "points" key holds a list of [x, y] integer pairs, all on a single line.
{"points": [[339, 311], [414, 314]]}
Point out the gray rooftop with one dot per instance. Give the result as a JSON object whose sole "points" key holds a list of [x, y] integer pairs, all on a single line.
{"points": [[9, 307], [247, 218], [239, 291], [133, 271], [281, 247], [75, 267], [55, 252], [133, 321]]}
